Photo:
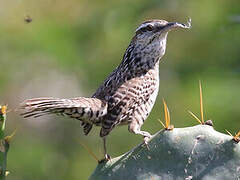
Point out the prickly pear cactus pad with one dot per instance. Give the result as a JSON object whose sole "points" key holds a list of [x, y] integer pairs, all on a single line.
{"points": [[197, 152]]}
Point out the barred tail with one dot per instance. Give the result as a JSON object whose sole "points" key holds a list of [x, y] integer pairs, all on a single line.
{"points": [[88, 110]]}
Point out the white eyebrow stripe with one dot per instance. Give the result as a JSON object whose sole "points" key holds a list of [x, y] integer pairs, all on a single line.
{"points": [[145, 25]]}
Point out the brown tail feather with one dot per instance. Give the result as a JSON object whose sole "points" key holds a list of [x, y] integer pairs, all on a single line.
{"points": [[88, 110]]}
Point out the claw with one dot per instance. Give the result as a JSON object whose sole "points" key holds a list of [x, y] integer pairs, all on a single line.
{"points": [[146, 140], [105, 159]]}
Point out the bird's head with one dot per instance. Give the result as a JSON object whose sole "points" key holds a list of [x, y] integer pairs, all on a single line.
{"points": [[149, 44], [156, 30]]}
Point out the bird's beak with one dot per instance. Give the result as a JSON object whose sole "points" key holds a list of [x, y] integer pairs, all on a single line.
{"points": [[173, 25]]}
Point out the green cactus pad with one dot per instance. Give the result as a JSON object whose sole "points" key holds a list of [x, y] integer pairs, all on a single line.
{"points": [[197, 152]]}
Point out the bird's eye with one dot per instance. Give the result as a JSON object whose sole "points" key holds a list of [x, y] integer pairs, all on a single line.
{"points": [[149, 27]]}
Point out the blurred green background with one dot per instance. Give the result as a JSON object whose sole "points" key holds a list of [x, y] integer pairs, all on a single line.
{"points": [[71, 46]]}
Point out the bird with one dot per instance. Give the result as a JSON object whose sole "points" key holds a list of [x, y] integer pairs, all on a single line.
{"points": [[126, 96]]}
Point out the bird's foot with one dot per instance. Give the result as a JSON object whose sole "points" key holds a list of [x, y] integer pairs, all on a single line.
{"points": [[146, 140], [105, 159]]}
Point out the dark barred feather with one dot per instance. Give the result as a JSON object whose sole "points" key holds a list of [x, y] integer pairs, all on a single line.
{"points": [[88, 110]]}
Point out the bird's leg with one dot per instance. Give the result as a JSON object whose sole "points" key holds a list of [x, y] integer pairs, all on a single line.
{"points": [[135, 128], [106, 156]]}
